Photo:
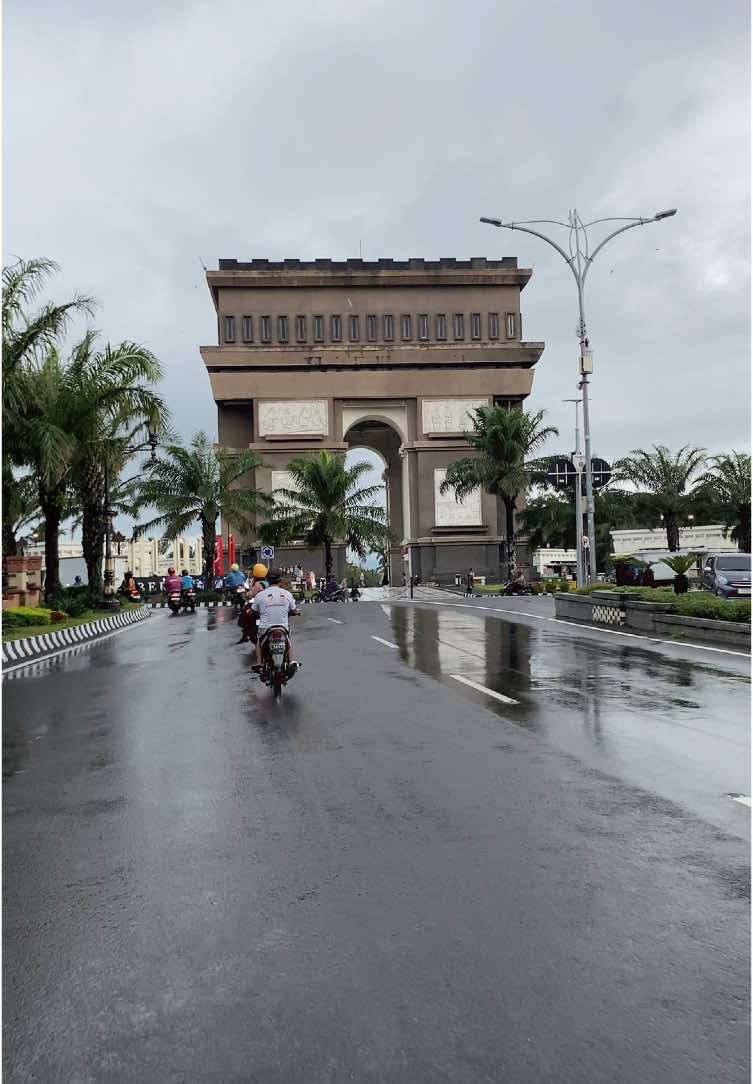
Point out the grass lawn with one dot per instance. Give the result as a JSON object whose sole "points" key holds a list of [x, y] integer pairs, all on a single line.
{"points": [[39, 630]]}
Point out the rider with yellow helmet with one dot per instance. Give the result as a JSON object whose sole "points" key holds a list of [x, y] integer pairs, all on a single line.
{"points": [[249, 617]]}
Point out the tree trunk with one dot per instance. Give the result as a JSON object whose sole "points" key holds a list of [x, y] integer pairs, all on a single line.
{"points": [[328, 559], [10, 543], [51, 513], [673, 534], [509, 503], [93, 522], [209, 545]]}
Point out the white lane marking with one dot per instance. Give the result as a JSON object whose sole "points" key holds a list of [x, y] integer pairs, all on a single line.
{"points": [[592, 628], [334, 621], [743, 799], [387, 643], [483, 689]]}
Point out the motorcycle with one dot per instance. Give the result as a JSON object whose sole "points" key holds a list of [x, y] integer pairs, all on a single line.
{"points": [[337, 595], [276, 671], [238, 598], [174, 602], [188, 600], [515, 587]]}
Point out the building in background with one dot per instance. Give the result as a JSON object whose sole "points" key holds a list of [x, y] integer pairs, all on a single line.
{"points": [[692, 540]]}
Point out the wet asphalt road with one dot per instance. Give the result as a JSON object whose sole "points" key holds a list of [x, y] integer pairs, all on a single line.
{"points": [[390, 876]]}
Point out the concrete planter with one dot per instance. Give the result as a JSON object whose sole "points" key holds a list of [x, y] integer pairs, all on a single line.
{"points": [[723, 633], [642, 615], [572, 607]]}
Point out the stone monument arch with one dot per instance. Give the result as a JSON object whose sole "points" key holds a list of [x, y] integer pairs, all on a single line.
{"points": [[390, 355]]}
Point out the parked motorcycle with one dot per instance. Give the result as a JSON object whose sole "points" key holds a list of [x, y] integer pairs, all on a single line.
{"points": [[276, 671], [516, 587]]}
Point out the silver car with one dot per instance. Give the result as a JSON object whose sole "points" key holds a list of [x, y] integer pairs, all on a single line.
{"points": [[727, 575]]}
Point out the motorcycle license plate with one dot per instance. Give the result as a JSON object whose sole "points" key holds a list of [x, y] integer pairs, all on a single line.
{"points": [[277, 647]]}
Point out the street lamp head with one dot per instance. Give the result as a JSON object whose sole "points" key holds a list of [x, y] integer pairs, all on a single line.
{"points": [[665, 214], [491, 221]]}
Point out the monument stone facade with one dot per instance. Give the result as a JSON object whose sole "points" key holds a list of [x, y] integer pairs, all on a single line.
{"points": [[389, 355]]}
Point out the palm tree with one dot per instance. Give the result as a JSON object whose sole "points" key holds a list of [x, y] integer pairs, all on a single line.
{"points": [[503, 439], [549, 521], [45, 431], [198, 483], [20, 507], [116, 405], [680, 565], [26, 338], [666, 478], [328, 506], [727, 484]]}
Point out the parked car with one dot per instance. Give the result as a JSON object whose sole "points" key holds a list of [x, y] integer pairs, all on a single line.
{"points": [[727, 574]]}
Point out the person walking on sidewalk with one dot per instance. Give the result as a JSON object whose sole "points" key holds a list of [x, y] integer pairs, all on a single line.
{"points": [[469, 584]]}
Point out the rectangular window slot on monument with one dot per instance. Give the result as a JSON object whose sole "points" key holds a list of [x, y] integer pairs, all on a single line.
{"points": [[388, 328], [282, 329], [354, 328], [248, 329], [266, 329], [371, 328], [493, 325], [300, 329], [475, 325], [458, 327], [423, 325], [335, 328], [510, 325], [228, 329], [405, 328], [318, 329], [441, 325]]}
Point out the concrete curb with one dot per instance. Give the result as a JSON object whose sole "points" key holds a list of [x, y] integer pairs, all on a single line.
{"points": [[33, 648]]}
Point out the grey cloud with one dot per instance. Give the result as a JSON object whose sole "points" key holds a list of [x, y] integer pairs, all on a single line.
{"points": [[141, 138]]}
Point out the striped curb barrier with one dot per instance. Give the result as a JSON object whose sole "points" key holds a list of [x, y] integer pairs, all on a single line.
{"points": [[47, 645]]}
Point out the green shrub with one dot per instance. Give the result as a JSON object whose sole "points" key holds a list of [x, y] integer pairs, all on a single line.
{"points": [[703, 604], [18, 617], [74, 601]]}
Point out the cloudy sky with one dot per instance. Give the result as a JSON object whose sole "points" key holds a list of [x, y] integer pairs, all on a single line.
{"points": [[142, 139]]}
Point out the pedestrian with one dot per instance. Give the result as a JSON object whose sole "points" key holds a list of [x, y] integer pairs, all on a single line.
{"points": [[362, 580], [469, 584], [77, 582], [404, 587]]}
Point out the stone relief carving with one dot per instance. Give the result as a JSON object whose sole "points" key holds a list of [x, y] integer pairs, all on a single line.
{"points": [[301, 418], [448, 512], [449, 415]]}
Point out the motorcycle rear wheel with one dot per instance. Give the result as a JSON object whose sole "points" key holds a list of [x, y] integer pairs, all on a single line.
{"points": [[277, 683]]}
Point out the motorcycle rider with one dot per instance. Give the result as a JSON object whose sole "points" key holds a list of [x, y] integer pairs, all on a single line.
{"points": [[249, 617], [273, 606], [173, 582], [186, 582]]}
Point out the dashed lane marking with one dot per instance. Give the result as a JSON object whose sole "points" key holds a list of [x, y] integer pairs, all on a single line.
{"points": [[334, 621], [743, 799], [387, 643], [483, 689]]}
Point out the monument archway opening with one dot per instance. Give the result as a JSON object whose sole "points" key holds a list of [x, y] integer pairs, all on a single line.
{"points": [[383, 439]]}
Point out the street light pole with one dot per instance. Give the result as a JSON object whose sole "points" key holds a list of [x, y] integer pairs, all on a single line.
{"points": [[578, 463], [579, 260]]}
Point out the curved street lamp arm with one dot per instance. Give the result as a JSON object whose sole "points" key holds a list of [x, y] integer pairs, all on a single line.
{"points": [[536, 233], [631, 225]]}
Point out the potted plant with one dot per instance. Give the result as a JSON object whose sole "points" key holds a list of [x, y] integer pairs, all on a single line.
{"points": [[680, 565]]}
